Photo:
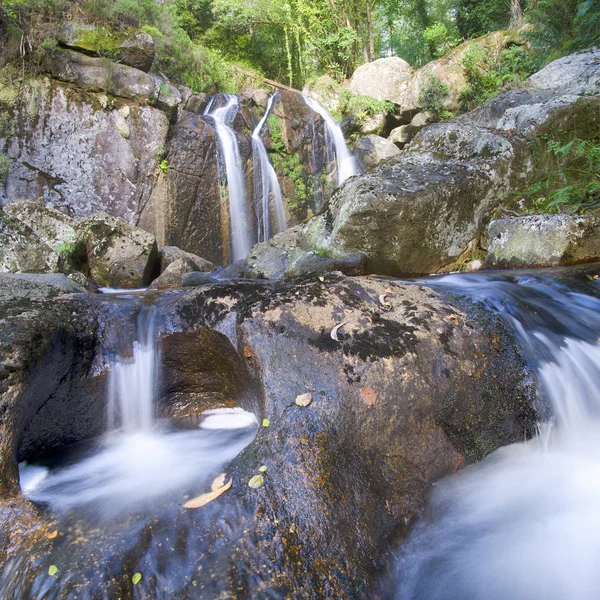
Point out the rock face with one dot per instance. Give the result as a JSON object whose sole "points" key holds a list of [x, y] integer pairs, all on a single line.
{"points": [[373, 149], [543, 241], [81, 155], [119, 255], [423, 210]]}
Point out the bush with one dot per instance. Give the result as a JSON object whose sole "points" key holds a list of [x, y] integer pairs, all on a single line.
{"points": [[432, 97]]}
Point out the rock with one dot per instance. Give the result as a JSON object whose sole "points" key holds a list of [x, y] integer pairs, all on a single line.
{"points": [[55, 229], [197, 103], [326, 91], [257, 96], [22, 251], [71, 152], [168, 96], [133, 48], [99, 74], [187, 197], [174, 274], [423, 118], [574, 74], [374, 124], [196, 278], [401, 135], [372, 150], [169, 254], [382, 79], [120, 255], [78, 278], [543, 241]]}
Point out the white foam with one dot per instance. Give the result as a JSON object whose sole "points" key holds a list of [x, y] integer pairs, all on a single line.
{"points": [[228, 418], [31, 477]]}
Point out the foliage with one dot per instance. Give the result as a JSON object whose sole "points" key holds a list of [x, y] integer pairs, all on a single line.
{"points": [[164, 165], [432, 97], [440, 39], [488, 72], [4, 166], [475, 18], [573, 185]]}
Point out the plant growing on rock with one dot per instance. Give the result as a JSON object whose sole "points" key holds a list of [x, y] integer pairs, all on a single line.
{"points": [[432, 97]]}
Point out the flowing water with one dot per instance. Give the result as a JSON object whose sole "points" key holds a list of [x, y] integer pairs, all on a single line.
{"points": [[223, 116], [267, 191], [335, 143], [524, 524]]}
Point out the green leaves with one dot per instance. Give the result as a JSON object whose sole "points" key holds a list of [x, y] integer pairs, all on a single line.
{"points": [[52, 570]]}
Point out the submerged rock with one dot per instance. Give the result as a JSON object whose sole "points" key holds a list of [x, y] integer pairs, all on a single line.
{"points": [[543, 241], [119, 255]]}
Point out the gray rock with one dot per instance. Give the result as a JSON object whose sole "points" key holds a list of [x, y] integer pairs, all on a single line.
{"points": [[71, 150], [22, 251], [382, 79], [174, 274], [543, 241], [37, 287], [374, 124], [120, 255], [196, 278], [401, 135], [169, 254], [99, 74], [197, 103], [423, 118], [168, 97], [137, 50], [574, 74], [373, 149]]}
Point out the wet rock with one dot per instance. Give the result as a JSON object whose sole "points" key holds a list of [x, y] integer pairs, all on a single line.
{"points": [[196, 278], [120, 255], [373, 149], [170, 254], [543, 241], [99, 74], [22, 251], [174, 274]]}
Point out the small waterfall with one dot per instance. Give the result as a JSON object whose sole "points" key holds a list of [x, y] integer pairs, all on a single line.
{"points": [[525, 522], [335, 143], [266, 184], [133, 380], [241, 239]]}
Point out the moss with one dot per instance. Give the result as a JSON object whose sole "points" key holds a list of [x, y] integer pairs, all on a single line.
{"points": [[4, 166], [99, 40]]}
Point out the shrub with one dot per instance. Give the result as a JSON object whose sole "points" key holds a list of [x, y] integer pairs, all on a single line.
{"points": [[432, 97]]}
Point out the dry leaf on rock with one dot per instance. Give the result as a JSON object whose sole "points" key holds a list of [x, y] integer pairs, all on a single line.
{"points": [[204, 499], [368, 396], [304, 399]]}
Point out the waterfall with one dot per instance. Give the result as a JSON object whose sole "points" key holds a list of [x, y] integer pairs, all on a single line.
{"points": [[335, 143], [525, 522], [133, 380], [223, 116], [266, 184]]}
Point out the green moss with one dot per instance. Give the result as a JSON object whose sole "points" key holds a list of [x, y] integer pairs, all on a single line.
{"points": [[99, 40], [4, 166]]}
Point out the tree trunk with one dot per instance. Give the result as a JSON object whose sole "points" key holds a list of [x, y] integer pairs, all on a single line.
{"points": [[516, 14], [371, 40]]}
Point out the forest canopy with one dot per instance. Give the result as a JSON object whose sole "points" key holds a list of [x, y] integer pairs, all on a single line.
{"points": [[219, 44]]}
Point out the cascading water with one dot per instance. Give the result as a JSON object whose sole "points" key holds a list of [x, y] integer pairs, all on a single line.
{"points": [[266, 184], [223, 116], [524, 524], [140, 459], [335, 143]]}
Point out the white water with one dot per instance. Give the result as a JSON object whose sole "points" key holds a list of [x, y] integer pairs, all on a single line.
{"points": [[524, 524], [266, 184], [241, 239], [335, 142], [140, 460]]}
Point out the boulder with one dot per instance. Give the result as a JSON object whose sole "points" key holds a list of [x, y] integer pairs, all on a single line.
{"points": [[173, 275], [168, 97], [119, 255], [543, 241], [373, 149], [55, 229], [22, 251], [401, 135], [133, 48], [197, 103], [196, 278], [421, 119], [99, 74], [169, 254], [84, 152], [382, 79]]}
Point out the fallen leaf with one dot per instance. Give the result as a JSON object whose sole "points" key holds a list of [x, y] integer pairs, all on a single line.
{"points": [[389, 291], [321, 278], [248, 352], [137, 577], [293, 528], [52, 534], [204, 499], [52, 570], [368, 396], [266, 422], [334, 331], [218, 482], [304, 399], [256, 481], [383, 301], [262, 468]]}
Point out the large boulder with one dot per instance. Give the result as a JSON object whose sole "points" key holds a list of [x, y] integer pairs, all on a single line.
{"points": [[22, 251], [99, 75], [373, 149], [383, 79], [169, 254], [543, 241], [83, 152], [118, 254], [132, 47]]}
